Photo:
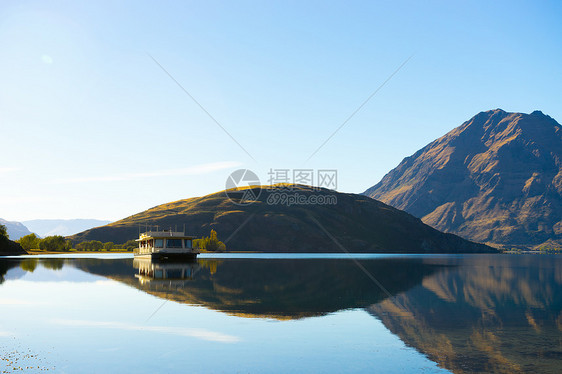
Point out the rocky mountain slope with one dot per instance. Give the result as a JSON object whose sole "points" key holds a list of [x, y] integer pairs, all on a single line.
{"points": [[495, 179], [15, 229]]}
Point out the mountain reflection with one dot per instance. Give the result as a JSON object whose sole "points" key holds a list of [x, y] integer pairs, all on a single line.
{"points": [[500, 314], [281, 288]]}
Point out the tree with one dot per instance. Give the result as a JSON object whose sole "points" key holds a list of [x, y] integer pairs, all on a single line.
{"points": [[130, 245], [4, 232], [211, 243], [30, 241], [96, 245], [92, 245], [108, 246], [52, 243]]}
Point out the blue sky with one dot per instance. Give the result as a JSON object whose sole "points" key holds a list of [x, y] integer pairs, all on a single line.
{"points": [[93, 128]]}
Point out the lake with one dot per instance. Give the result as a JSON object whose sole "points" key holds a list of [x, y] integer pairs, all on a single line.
{"points": [[253, 313]]}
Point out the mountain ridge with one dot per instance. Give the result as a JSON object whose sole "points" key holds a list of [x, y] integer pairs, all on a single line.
{"points": [[496, 179], [63, 227], [15, 229]]}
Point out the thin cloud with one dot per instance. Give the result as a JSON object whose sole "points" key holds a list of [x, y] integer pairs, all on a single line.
{"points": [[193, 170], [180, 331]]}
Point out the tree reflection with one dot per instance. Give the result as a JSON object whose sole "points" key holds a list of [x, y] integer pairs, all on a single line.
{"points": [[29, 264]]}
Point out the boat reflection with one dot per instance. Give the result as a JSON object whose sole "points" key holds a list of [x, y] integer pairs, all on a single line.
{"points": [[164, 274]]}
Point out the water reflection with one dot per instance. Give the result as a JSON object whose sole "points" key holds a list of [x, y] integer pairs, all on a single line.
{"points": [[500, 314], [28, 265], [479, 313], [285, 288], [161, 274]]}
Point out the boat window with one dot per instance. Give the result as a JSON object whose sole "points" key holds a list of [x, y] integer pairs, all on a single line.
{"points": [[159, 243], [173, 243], [187, 243]]}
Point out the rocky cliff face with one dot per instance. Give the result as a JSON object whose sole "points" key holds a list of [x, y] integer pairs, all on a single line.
{"points": [[496, 179]]}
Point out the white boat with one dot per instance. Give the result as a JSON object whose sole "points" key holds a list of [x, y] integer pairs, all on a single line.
{"points": [[166, 245]]}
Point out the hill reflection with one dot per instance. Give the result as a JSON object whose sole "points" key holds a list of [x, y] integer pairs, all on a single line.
{"points": [[281, 288]]}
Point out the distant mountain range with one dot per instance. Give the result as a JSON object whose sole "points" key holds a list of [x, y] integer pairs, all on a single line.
{"points": [[63, 227], [15, 229], [356, 222], [495, 179]]}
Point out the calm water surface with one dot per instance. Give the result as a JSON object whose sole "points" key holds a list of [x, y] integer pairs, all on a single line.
{"points": [[282, 313]]}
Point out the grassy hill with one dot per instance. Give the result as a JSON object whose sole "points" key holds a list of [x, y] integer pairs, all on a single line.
{"points": [[358, 223]]}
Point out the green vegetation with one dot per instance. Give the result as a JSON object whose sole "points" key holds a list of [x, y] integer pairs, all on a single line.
{"points": [[54, 243], [4, 232], [59, 244], [550, 247], [98, 246], [50, 243], [92, 245], [30, 241], [210, 243]]}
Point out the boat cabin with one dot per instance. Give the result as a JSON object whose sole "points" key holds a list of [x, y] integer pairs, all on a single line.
{"points": [[165, 244]]}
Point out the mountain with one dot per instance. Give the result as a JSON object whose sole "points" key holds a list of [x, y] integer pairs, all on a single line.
{"points": [[15, 229], [358, 223], [496, 179], [64, 227]]}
